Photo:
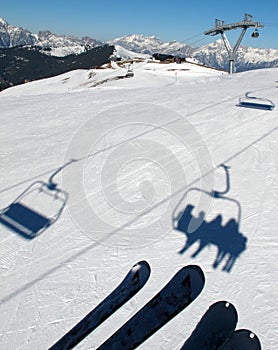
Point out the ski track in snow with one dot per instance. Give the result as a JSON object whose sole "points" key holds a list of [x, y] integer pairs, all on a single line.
{"points": [[132, 180]]}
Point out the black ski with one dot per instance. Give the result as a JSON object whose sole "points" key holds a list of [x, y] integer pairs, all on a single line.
{"points": [[180, 291], [243, 339], [214, 329], [131, 284]]}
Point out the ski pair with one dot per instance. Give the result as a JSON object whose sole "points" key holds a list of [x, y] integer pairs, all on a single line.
{"points": [[178, 293], [216, 331]]}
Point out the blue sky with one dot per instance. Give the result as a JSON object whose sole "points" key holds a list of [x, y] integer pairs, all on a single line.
{"points": [[168, 20]]}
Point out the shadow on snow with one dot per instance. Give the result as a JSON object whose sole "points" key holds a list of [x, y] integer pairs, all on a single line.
{"points": [[37, 208], [226, 237]]}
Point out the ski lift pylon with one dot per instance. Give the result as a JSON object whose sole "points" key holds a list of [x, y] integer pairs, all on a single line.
{"points": [[256, 102]]}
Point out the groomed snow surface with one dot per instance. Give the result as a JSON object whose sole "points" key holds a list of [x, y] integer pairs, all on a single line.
{"points": [[128, 156]]}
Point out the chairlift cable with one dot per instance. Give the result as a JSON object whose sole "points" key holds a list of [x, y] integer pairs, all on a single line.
{"points": [[187, 41], [196, 41]]}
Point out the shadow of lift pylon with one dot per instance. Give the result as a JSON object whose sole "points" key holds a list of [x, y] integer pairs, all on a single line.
{"points": [[37, 208]]}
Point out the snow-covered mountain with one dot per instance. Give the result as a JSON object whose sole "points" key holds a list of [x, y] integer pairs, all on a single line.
{"points": [[58, 45], [12, 36], [213, 54], [27, 63], [124, 54], [247, 58], [150, 45]]}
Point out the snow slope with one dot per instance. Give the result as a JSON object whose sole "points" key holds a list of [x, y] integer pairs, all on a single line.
{"points": [[144, 149], [147, 73], [123, 53]]}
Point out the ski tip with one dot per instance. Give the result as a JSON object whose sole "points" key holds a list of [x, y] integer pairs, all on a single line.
{"points": [[248, 337], [193, 279], [226, 307], [141, 265], [196, 268], [225, 304], [141, 271]]}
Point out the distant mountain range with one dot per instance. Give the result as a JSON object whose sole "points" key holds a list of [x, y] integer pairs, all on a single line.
{"points": [[213, 55], [151, 44], [62, 47], [59, 45]]}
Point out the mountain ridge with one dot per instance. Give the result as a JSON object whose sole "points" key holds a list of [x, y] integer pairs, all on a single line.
{"points": [[59, 45], [213, 54], [22, 64]]}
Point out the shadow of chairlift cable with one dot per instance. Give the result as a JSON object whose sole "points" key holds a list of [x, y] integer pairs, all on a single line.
{"points": [[255, 102], [37, 208], [227, 238]]}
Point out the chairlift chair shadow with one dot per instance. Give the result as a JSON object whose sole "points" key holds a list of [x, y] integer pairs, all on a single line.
{"points": [[228, 240], [207, 227], [178, 213], [28, 218]]}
